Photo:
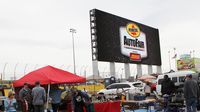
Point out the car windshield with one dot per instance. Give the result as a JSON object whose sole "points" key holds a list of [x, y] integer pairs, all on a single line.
{"points": [[182, 79], [137, 85]]}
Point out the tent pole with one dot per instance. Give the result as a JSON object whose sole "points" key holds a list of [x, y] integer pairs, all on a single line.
{"points": [[47, 106]]}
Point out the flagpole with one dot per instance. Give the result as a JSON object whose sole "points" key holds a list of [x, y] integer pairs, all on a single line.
{"points": [[169, 61], [194, 59], [175, 58]]}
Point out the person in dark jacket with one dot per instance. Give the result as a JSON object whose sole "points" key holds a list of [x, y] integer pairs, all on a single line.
{"points": [[87, 101], [191, 93], [167, 86], [78, 101], [26, 98]]}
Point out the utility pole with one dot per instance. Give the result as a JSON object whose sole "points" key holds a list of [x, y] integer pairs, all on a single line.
{"points": [[74, 62]]}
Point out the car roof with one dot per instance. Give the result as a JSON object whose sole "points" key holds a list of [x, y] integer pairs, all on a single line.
{"points": [[178, 73], [130, 83]]}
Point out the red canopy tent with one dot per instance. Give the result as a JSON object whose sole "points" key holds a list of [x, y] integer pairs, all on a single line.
{"points": [[49, 75]]}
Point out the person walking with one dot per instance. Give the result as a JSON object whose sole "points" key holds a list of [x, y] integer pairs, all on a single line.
{"points": [[167, 86], [26, 98], [191, 93], [55, 95], [39, 97], [10, 103]]}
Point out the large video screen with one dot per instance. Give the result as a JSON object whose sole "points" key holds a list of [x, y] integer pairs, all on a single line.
{"points": [[122, 40]]}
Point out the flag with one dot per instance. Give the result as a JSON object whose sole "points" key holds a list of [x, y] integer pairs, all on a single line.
{"points": [[175, 55]]}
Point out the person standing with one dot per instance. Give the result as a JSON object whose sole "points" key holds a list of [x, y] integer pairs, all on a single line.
{"points": [[39, 97], [26, 98], [55, 95], [78, 103], [167, 86], [191, 93], [66, 99], [87, 101], [167, 89], [147, 89], [10, 103]]}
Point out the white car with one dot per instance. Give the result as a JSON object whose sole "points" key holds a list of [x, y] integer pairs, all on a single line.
{"points": [[131, 87]]}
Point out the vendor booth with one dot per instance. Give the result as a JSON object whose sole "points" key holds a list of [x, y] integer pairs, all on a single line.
{"points": [[49, 75]]}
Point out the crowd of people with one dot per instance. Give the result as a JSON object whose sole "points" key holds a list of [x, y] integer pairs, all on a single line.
{"points": [[35, 99]]}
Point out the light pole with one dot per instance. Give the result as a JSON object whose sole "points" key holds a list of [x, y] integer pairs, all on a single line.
{"points": [[15, 72], [73, 31], [4, 68]]}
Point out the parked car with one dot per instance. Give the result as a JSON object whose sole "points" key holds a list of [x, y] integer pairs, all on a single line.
{"points": [[115, 88]]}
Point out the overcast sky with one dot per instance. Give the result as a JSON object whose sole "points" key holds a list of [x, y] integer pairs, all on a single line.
{"points": [[36, 33]]}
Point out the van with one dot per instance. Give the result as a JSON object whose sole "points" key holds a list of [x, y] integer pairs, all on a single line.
{"points": [[177, 77]]}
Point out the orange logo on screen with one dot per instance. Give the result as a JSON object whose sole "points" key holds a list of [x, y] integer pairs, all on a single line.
{"points": [[135, 57], [133, 30]]}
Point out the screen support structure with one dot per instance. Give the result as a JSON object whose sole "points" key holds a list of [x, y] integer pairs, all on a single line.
{"points": [[112, 69], [139, 70], [127, 70], [150, 69], [95, 68], [159, 69]]}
